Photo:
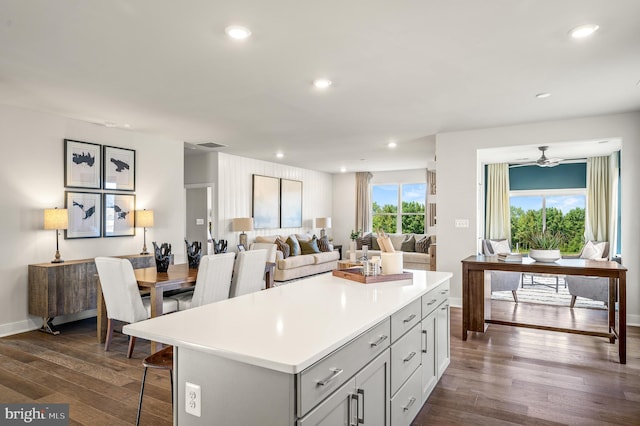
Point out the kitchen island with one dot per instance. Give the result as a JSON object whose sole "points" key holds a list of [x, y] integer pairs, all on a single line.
{"points": [[323, 350]]}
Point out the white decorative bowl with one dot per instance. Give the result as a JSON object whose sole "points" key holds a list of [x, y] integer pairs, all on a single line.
{"points": [[544, 255]]}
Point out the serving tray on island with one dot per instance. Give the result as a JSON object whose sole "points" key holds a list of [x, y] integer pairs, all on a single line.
{"points": [[355, 274]]}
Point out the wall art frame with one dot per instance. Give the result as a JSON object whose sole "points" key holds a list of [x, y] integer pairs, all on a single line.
{"points": [[119, 215], [266, 202], [82, 164], [119, 169], [290, 203], [85, 214]]}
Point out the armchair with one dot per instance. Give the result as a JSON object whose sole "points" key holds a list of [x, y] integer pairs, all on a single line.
{"points": [[594, 288], [502, 280]]}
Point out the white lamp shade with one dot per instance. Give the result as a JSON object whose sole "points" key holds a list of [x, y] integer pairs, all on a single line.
{"points": [[242, 224], [323, 222], [56, 219], [144, 218]]}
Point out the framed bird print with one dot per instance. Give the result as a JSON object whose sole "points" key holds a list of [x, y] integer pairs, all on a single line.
{"points": [[82, 161], [118, 215], [85, 213], [119, 169]]}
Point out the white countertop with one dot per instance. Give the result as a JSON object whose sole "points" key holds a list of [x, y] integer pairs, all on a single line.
{"points": [[290, 327]]}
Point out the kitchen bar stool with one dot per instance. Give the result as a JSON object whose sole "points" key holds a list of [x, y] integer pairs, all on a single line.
{"points": [[163, 359]]}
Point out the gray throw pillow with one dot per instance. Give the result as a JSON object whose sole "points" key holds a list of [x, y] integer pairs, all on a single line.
{"points": [[422, 245], [365, 240], [409, 245]]}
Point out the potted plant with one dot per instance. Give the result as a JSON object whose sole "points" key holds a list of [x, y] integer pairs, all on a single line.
{"points": [[545, 246], [352, 246]]}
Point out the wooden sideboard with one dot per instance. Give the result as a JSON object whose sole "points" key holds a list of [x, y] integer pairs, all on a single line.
{"points": [[68, 288]]}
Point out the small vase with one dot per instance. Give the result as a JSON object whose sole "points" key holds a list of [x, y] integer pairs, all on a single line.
{"points": [[352, 251], [163, 256]]}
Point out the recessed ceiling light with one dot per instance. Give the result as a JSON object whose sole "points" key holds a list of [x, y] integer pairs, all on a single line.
{"points": [[584, 31], [543, 95], [126, 125], [237, 32], [322, 83], [392, 144], [343, 169], [279, 155]]}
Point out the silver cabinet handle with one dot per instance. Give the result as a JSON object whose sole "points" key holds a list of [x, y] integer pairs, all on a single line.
{"points": [[380, 340], [350, 400], [444, 291], [360, 419], [412, 401], [432, 302], [426, 341], [410, 318], [335, 372], [408, 358], [444, 308]]}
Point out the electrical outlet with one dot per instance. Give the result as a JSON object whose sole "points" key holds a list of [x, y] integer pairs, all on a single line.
{"points": [[192, 400]]}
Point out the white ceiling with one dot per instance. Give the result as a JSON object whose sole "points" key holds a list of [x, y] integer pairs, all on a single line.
{"points": [[401, 70]]}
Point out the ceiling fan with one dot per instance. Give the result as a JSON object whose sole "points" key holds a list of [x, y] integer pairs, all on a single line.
{"points": [[543, 161]]}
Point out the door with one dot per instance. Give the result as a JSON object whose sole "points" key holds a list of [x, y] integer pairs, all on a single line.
{"points": [[333, 411], [198, 208], [372, 392], [429, 368], [442, 339]]}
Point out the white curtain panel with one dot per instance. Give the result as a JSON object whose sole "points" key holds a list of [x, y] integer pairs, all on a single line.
{"points": [[498, 213], [363, 201], [599, 191]]}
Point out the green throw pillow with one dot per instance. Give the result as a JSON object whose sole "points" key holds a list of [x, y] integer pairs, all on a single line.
{"points": [[294, 245], [309, 247], [409, 244]]}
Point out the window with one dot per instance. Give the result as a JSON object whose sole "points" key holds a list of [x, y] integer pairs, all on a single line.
{"points": [[560, 210], [399, 208]]}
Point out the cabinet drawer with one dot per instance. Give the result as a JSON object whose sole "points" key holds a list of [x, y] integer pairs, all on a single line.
{"points": [[405, 357], [403, 320], [435, 297], [322, 378], [406, 403]]}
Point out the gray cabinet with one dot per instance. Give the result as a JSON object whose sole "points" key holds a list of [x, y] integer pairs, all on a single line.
{"points": [[442, 338], [363, 400], [429, 366]]}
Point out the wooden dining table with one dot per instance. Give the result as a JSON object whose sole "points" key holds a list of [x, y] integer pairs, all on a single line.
{"points": [[156, 284]]}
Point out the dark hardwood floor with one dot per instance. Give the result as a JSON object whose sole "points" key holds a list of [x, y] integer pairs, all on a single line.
{"points": [[506, 376]]}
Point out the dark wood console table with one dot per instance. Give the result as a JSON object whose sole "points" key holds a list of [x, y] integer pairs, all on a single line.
{"points": [[476, 293], [68, 288]]}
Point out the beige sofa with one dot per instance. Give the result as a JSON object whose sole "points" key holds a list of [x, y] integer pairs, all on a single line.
{"points": [[410, 259], [303, 265]]}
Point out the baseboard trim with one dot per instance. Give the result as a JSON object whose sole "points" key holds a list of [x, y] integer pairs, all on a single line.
{"points": [[34, 323]]}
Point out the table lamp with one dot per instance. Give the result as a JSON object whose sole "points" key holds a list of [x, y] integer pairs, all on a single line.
{"points": [[323, 222], [144, 219], [242, 224], [56, 219]]}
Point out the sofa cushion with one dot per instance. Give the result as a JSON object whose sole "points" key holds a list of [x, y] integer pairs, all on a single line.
{"points": [[396, 240], [309, 246], [374, 243], [268, 238], [292, 241], [422, 245], [283, 247], [415, 257], [296, 261], [323, 244], [364, 240], [409, 244], [327, 256]]}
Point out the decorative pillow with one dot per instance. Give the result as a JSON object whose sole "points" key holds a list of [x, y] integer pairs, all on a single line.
{"points": [[365, 240], [422, 245], [592, 250], [283, 247], [267, 238], [409, 244], [305, 237], [323, 243], [374, 243], [294, 245], [310, 246], [500, 246]]}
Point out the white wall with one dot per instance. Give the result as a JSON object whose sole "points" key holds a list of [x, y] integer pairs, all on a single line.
{"points": [[32, 179], [343, 216], [458, 179], [234, 195]]}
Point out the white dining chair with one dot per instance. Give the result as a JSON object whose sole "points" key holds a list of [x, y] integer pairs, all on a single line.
{"points": [[122, 297], [248, 272], [212, 284]]}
